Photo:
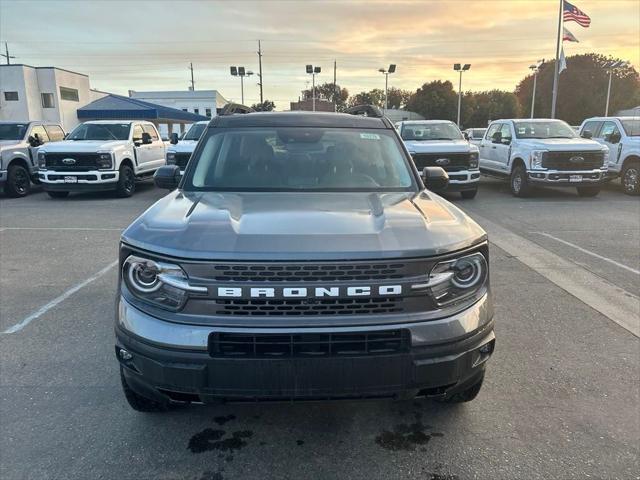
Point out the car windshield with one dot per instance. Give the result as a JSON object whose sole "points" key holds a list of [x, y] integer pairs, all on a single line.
{"points": [[195, 131], [631, 127], [12, 131], [478, 132], [431, 131], [101, 131], [300, 159], [548, 129]]}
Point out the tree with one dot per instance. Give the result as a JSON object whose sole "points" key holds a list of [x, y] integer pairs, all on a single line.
{"points": [[397, 98], [478, 108], [372, 97], [265, 106], [435, 100], [326, 92], [582, 90]]}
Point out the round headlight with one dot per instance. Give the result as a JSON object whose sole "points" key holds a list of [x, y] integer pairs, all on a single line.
{"points": [[142, 274], [468, 272]]}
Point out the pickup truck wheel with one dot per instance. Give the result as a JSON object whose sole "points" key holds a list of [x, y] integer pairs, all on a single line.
{"points": [[18, 181], [588, 191], [469, 194], [465, 395], [126, 182], [138, 402], [630, 178], [56, 194], [519, 182]]}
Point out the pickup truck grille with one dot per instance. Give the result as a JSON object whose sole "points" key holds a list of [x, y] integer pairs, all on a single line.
{"points": [[563, 160], [83, 162], [457, 161], [297, 307], [182, 159], [309, 345]]}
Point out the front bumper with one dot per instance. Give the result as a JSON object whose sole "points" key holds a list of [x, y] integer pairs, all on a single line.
{"points": [[463, 180], [92, 180], [563, 177], [172, 362]]}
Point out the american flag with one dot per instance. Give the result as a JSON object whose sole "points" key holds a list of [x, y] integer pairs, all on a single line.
{"points": [[572, 13]]}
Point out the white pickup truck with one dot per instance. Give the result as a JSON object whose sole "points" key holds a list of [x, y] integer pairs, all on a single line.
{"points": [[439, 143], [101, 155], [180, 150], [622, 136], [19, 145], [543, 152]]}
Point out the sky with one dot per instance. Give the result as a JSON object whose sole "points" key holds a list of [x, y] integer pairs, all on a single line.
{"points": [[148, 44]]}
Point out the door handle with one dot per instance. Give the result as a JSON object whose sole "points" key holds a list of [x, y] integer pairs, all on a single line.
{"points": [[494, 147]]}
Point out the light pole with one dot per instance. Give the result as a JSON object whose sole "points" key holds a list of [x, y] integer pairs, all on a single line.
{"points": [[241, 72], [386, 73], [611, 66], [313, 71], [535, 68], [458, 68]]}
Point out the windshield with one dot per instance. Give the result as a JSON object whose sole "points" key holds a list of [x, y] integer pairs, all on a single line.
{"points": [[300, 159], [550, 129], [478, 133], [13, 131], [431, 131], [631, 127], [195, 131], [101, 131]]}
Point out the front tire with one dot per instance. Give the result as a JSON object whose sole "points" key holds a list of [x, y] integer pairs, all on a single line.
{"points": [[18, 182], [630, 178], [138, 402], [56, 194], [519, 182], [469, 194], [126, 182], [464, 396], [588, 191]]}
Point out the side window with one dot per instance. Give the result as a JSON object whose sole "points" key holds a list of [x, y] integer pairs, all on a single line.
{"points": [[505, 132], [151, 130], [607, 129], [55, 133], [40, 131], [492, 130], [137, 133], [593, 127]]}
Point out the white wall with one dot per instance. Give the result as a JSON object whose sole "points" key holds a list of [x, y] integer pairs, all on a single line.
{"points": [[184, 99], [12, 79]]}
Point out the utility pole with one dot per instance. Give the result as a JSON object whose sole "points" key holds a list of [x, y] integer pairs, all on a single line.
{"points": [[556, 72], [193, 85], [260, 69], [6, 54], [335, 91]]}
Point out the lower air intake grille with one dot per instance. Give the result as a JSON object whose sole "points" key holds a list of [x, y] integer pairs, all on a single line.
{"points": [[310, 345]]}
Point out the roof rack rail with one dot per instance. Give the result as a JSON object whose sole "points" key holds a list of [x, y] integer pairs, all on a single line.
{"points": [[234, 108], [365, 111]]}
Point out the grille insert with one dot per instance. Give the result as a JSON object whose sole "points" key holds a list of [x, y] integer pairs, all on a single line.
{"points": [[308, 273], [560, 160], [457, 161], [182, 159], [83, 161], [309, 345], [296, 307]]}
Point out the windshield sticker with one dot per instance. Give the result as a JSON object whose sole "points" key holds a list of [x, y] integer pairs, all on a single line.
{"points": [[370, 136]]}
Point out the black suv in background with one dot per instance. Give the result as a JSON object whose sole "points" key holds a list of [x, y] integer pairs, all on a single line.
{"points": [[300, 257]]}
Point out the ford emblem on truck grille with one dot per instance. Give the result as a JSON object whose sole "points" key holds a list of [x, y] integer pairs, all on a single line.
{"points": [[69, 161], [443, 161], [576, 159]]}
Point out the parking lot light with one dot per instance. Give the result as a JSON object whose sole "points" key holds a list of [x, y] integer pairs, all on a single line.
{"points": [[241, 72], [460, 68], [386, 73], [313, 71]]}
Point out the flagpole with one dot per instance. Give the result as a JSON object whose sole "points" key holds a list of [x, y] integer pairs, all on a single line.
{"points": [[557, 66]]}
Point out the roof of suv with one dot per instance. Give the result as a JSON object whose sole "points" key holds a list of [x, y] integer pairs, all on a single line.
{"points": [[300, 119]]}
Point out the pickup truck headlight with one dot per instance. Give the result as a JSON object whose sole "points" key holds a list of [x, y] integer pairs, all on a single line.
{"points": [[164, 285], [105, 161], [605, 159], [171, 158], [42, 162], [473, 159], [457, 279], [536, 158]]}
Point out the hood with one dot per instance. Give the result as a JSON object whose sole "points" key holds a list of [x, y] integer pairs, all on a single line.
{"points": [[183, 146], [82, 145], [302, 226], [560, 144], [7, 144], [439, 146]]}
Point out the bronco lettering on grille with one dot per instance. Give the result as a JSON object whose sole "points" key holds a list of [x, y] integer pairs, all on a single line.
{"points": [[305, 292]]}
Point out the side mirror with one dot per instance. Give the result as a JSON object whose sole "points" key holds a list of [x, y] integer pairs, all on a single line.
{"points": [[614, 137], [33, 141], [497, 137], [435, 178], [174, 138], [466, 136], [167, 177], [587, 134], [506, 140], [146, 138]]}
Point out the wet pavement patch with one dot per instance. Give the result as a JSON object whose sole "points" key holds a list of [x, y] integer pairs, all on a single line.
{"points": [[210, 440], [211, 476], [299, 442], [406, 436], [224, 419]]}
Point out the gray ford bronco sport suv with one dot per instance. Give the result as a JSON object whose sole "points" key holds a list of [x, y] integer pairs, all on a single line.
{"points": [[300, 257]]}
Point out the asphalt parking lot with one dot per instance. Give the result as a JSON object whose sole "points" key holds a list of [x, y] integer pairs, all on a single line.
{"points": [[561, 399]]}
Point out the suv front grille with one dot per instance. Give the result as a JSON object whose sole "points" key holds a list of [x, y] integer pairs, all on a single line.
{"points": [[309, 345], [561, 160], [312, 306], [83, 161], [182, 159], [457, 161]]}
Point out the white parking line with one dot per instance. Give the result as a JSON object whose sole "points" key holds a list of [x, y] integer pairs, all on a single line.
{"points": [[45, 308], [589, 252]]}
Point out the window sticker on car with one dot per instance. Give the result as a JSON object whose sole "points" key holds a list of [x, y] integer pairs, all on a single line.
{"points": [[370, 136]]}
